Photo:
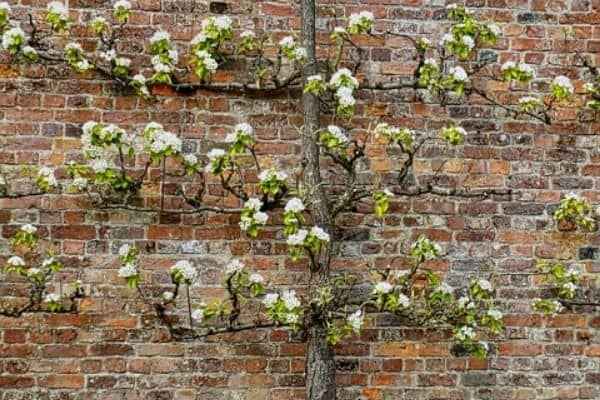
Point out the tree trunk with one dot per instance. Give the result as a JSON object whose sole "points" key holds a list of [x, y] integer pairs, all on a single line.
{"points": [[320, 367]]}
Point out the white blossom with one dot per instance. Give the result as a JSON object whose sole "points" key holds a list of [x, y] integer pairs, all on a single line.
{"points": [[343, 77], [209, 62], [160, 35], [124, 250], [270, 299], [289, 299], [447, 38], [300, 53], [4, 6], [565, 83], [383, 287], [572, 272], [162, 141], [319, 233], [337, 133], [198, 314], [215, 153], [128, 270], [459, 74], [294, 205], [345, 96], [432, 62], [256, 278], [234, 266], [495, 314], [247, 34], [291, 318], [297, 239], [83, 65], [99, 166], [122, 62], [242, 129], [558, 307], [16, 261], [253, 204], [11, 35], [223, 22], [73, 47], [139, 78], [388, 192], [269, 174], [199, 38], [527, 69], [287, 42], [245, 222], [403, 300], [465, 302], [529, 99], [508, 65], [484, 284], [122, 4], [28, 51], [32, 272], [316, 77], [51, 298], [167, 296], [356, 18], [261, 217], [99, 20], [355, 320], [452, 6], [108, 55], [494, 29], [465, 333], [573, 196], [47, 175], [569, 286], [187, 270], [28, 228], [58, 8], [468, 41], [190, 159]]}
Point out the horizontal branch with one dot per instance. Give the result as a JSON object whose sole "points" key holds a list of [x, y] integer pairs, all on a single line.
{"points": [[187, 334]]}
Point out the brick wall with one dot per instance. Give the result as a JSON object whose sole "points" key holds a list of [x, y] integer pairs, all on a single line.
{"points": [[112, 349]]}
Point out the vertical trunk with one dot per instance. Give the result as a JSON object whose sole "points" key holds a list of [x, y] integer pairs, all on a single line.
{"points": [[320, 367]]}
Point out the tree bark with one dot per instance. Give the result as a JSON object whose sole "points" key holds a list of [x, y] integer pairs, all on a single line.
{"points": [[320, 367]]}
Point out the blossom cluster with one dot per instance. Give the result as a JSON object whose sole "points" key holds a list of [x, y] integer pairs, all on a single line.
{"points": [[161, 143], [215, 30], [360, 22], [313, 240], [164, 57], [334, 139], [252, 216], [519, 72], [57, 16], [75, 57], [284, 308], [183, 272], [272, 182], [395, 135], [291, 50], [45, 179], [343, 83], [129, 269]]}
